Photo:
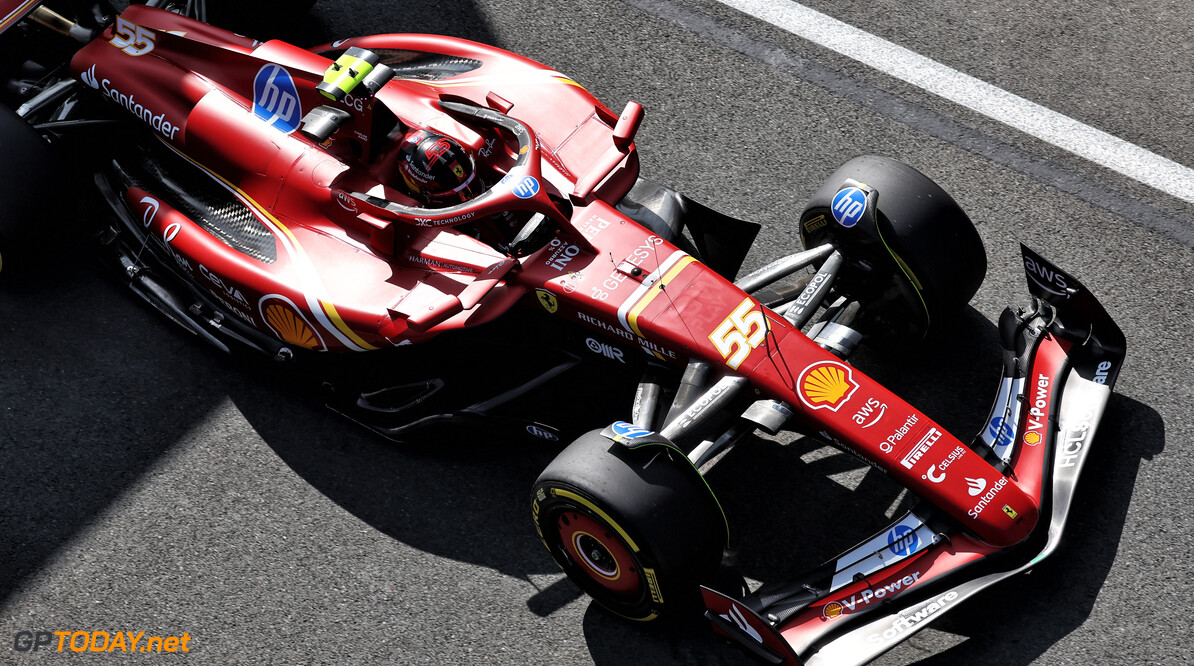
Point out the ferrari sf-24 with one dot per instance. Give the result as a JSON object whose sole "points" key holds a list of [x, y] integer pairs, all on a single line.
{"points": [[443, 233]]}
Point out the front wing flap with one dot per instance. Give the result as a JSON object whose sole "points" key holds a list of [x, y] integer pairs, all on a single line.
{"points": [[1061, 360]]}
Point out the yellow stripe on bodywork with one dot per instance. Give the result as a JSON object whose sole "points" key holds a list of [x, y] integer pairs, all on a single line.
{"points": [[15, 14], [330, 311], [632, 316]]}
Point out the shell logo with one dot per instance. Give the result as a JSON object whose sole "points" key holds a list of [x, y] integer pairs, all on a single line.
{"points": [[1032, 438], [832, 609], [289, 325], [826, 385]]}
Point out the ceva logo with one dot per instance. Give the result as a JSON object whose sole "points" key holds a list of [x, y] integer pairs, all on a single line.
{"points": [[275, 98]]}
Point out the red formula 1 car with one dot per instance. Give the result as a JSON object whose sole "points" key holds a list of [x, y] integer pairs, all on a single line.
{"points": [[269, 198]]}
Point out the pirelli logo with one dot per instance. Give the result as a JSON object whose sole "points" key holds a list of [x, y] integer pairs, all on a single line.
{"points": [[653, 584], [922, 447]]}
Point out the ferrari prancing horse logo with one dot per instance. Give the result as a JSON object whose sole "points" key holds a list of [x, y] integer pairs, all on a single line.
{"points": [[547, 300]]}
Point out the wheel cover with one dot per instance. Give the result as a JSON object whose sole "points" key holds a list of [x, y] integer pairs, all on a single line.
{"points": [[599, 553]]}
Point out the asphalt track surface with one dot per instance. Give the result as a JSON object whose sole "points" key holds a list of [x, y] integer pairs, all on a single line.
{"points": [[148, 484]]}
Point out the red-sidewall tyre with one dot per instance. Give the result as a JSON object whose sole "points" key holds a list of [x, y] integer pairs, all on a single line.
{"points": [[637, 529]]}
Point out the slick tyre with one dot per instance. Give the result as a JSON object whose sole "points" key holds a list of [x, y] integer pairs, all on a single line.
{"points": [[921, 261], [29, 198], [636, 529]]}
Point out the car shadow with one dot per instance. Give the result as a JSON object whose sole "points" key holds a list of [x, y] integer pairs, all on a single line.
{"points": [[96, 390], [792, 504], [97, 387], [1057, 596]]}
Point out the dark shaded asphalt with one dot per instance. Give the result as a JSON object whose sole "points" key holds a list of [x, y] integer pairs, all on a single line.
{"points": [[148, 484]]}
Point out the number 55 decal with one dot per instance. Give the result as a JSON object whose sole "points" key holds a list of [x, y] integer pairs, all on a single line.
{"points": [[132, 38], [741, 332]]}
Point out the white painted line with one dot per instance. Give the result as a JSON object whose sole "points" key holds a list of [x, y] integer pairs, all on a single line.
{"points": [[1029, 117]]}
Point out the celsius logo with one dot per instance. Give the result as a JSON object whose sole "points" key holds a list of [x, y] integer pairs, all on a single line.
{"points": [[275, 98], [848, 205], [89, 78], [977, 486], [933, 476], [171, 231], [902, 540]]}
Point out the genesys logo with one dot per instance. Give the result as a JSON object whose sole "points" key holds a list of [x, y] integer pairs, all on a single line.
{"points": [[98, 641]]}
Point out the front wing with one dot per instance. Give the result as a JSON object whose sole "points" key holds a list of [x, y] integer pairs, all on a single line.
{"points": [[1061, 360]]}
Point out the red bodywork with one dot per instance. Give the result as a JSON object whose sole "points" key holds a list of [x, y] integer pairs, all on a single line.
{"points": [[350, 276]]}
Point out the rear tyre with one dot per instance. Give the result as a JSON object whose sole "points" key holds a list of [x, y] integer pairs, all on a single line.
{"points": [[636, 529], [30, 200], [918, 265]]}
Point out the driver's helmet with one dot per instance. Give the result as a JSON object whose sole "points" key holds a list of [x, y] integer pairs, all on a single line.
{"points": [[437, 169]]}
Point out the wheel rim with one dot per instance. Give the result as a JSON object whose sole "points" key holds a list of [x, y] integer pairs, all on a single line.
{"points": [[599, 553]]}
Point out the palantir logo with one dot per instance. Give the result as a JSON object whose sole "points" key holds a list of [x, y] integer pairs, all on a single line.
{"points": [[275, 98]]}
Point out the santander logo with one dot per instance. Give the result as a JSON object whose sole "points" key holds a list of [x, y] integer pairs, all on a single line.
{"points": [[89, 78], [977, 486]]}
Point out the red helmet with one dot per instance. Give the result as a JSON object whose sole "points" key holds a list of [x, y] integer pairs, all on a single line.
{"points": [[437, 169]]}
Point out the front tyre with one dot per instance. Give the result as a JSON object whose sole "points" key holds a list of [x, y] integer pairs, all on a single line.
{"points": [[637, 529], [920, 261]]}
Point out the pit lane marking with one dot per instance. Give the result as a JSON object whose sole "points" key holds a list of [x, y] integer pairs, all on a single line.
{"points": [[1029, 117]]}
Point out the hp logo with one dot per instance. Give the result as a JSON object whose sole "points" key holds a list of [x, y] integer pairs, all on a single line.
{"points": [[848, 205], [275, 98]]}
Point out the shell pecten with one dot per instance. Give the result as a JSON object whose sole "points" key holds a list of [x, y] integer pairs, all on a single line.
{"points": [[290, 327], [826, 385]]}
